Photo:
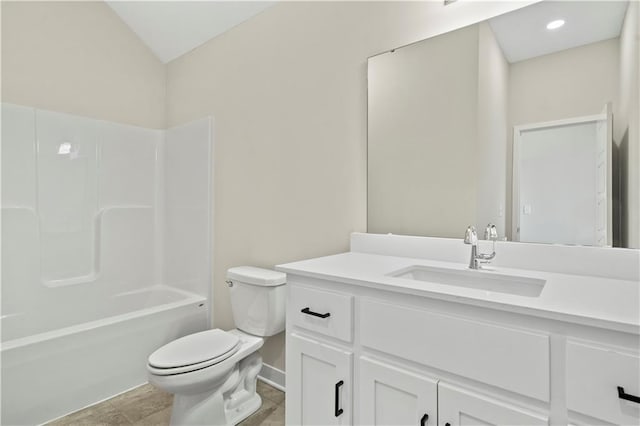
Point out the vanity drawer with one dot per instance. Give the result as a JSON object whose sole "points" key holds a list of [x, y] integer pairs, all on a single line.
{"points": [[322, 311], [516, 360], [593, 376]]}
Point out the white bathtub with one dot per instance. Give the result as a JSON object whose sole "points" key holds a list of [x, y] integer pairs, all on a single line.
{"points": [[49, 370]]}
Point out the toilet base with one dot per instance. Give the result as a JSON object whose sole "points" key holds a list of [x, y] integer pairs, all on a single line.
{"points": [[243, 400], [235, 400], [248, 408], [210, 410]]}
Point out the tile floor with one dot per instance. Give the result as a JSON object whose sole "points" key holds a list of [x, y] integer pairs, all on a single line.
{"points": [[149, 406]]}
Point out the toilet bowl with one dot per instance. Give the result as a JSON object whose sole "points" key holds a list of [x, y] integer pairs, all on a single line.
{"points": [[213, 373]]}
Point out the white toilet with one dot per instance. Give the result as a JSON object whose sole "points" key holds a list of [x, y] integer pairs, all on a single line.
{"points": [[212, 374]]}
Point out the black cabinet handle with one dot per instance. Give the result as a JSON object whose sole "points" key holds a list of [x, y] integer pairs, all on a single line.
{"points": [[447, 424], [423, 420], [627, 396], [315, 314], [338, 410]]}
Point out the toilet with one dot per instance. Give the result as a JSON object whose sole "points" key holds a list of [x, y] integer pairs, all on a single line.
{"points": [[213, 373]]}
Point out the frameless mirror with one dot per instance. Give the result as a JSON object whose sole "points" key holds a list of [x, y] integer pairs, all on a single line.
{"points": [[527, 120]]}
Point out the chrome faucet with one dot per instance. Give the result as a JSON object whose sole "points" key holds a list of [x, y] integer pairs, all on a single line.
{"points": [[471, 237]]}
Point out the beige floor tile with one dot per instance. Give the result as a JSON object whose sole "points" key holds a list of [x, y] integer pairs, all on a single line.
{"points": [[269, 392], [259, 416], [108, 416], [136, 394], [139, 408], [160, 418], [149, 406], [276, 418]]}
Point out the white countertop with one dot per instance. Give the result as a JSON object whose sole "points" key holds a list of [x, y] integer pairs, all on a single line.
{"points": [[594, 301]]}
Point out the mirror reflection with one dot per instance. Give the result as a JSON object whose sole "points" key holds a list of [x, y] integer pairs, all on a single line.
{"points": [[528, 120]]}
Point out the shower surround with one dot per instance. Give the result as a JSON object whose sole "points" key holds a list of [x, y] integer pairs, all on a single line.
{"points": [[106, 254]]}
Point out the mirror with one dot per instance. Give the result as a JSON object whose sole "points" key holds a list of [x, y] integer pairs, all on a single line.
{"points": [[512, 123]]}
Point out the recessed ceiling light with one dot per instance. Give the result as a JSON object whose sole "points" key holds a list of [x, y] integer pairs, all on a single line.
{"points": [[555, 24]]}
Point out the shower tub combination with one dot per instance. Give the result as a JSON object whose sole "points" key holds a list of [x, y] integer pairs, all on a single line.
{"points": [[105, 255], [52, 373]]}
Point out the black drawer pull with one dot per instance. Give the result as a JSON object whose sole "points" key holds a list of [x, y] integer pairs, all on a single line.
{"points": [[423, 420], [338, 410], [447, 424], [315, 314], [627, 396]]}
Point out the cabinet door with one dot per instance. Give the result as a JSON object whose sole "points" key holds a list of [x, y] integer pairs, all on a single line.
{"points": [[393, 396], [319, 388], [602, 383], [462, 407]]}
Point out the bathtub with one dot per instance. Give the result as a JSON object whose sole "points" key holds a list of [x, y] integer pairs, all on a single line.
{"points": [[52, 369]]}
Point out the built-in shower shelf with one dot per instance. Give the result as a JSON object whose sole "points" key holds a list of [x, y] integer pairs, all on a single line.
{"points": [[96, 249], [19, 208], [83, 279], [127, 206], [101, 212]]}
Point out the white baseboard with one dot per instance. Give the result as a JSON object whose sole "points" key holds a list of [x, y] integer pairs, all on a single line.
{"points": [[272, 376]]}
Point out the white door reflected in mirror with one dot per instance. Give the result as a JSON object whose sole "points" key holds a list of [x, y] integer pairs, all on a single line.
{"points": [[563, 169]]}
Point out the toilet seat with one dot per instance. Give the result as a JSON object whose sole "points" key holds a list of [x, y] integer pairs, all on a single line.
{"points": [[193, 352]]}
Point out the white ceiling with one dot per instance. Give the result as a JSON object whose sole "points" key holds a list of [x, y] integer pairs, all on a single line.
{"points": [[523, 34], [173, 28]]}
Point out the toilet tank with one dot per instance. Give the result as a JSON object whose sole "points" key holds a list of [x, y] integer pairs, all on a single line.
{"points": [[257, 299]]}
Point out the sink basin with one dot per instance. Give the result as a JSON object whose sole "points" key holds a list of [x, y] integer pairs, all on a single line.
{"points": [[481, 280]]}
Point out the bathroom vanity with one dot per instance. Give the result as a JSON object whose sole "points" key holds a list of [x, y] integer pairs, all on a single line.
{"points": [[400, 331]]}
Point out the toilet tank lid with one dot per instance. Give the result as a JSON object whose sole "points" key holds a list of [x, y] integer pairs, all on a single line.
{"points": [[256, 276]]}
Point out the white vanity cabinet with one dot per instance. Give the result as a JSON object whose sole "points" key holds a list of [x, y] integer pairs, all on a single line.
{"points": [[461, 407], [388, 395], [496, 354], [603, 382], [319, 388], [358, 354]]}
